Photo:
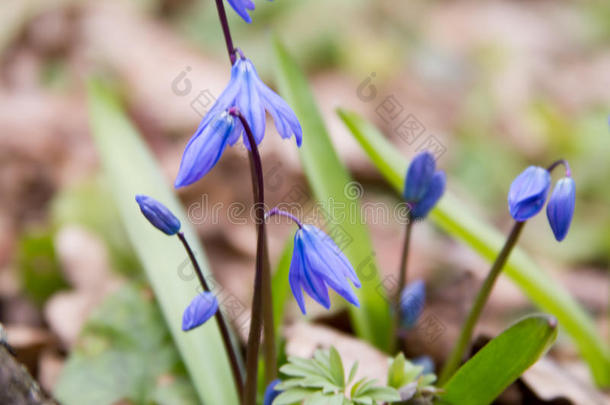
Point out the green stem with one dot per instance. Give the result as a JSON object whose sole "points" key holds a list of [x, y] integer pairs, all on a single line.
{"points": [[455, 358], [402, 278]]}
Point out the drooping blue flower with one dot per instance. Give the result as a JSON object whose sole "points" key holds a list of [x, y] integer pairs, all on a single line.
{"points": [[528, 193], [317, 263], [158, 215], [241, 7], [412, 301], [252, 97], [560, 208], [271, 393], [424, 185], [204, 149], [202, 308], [426, 362]]}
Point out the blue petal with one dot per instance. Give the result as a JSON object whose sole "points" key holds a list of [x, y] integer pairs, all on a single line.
{"points": [[435, 191], [271, 393], [322, 259], [202, 308], [412, 301], [249, 101], [241, 7], [204, 150], [528, 193], [560, 208], [286, 122], [419, 177], [158, 215]]}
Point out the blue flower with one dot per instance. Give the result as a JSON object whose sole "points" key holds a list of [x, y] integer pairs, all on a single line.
{"points": [[241, 7], [205, 148], [560, 208], [412, 301], [528, 193], [252, 97], [424, 185], [158, 215], [202, 308], [317, 263], [271, 393]]}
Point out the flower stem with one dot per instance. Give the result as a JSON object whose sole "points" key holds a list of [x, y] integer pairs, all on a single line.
{"points": [[222, 324], [277, 211], [455, 358], [262, 279], [222, 16], [560, 162], [402, 277]]}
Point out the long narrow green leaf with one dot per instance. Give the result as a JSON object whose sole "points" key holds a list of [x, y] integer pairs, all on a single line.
{"points": [[280, 286], [329, 179], [457, 220], [497, 365], [131, 170]]}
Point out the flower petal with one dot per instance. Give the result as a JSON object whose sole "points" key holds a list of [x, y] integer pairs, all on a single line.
{"points": [[202, 308], [204, 150], [158, 215], [419, 176], [241, 7], [286, 122], [560, 208], [249, 102], [435, 191], [271, 393], [528, 193]]}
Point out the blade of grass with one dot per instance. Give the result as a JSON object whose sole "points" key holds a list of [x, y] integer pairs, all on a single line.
{"points": [[457, 220], [328, 179], [131, 169], [500, 362]]}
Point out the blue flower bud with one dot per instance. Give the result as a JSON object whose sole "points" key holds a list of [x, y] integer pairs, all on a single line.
{"points": [[419, 176], [435, 191], [202, 308], [158, 215], [271, 393], [317, 263], [528, 193], [560, 208], [412, 301]]}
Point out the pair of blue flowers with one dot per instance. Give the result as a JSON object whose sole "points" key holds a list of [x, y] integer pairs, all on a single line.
{"points": [[528, 194]]}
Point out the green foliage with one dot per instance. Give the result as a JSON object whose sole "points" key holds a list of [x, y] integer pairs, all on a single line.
{"points": [[39, 270], [130, 169], [411, 381], [456, 219], [125, 352], [321, 380], [330, 183], [482, 378]]}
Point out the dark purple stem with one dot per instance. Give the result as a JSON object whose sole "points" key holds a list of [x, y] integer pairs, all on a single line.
{"points": [[277, 211], [222, 15], [561, 162]]}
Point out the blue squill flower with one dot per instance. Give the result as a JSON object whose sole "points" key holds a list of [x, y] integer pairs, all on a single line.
{"points": [[271, 393], [317, 263], [560, 208], [202, 308], [424, 185], [252, 97], [528, 193], [241, 7], [158, 215], [412, 301], [205, 147]]}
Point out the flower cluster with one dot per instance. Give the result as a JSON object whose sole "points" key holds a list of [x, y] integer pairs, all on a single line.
{"points": [[529, 191]]}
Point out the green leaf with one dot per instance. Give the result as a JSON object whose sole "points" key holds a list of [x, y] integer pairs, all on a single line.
{"points": [[329, 181], [336, 368], [131, 169], [281, 287], [125, 352], [500, 362], [396, 372], [293, 396], [456, 219], [352, 373]]}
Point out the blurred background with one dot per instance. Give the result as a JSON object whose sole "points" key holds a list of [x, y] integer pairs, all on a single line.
{"points": [[494, 85]]}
